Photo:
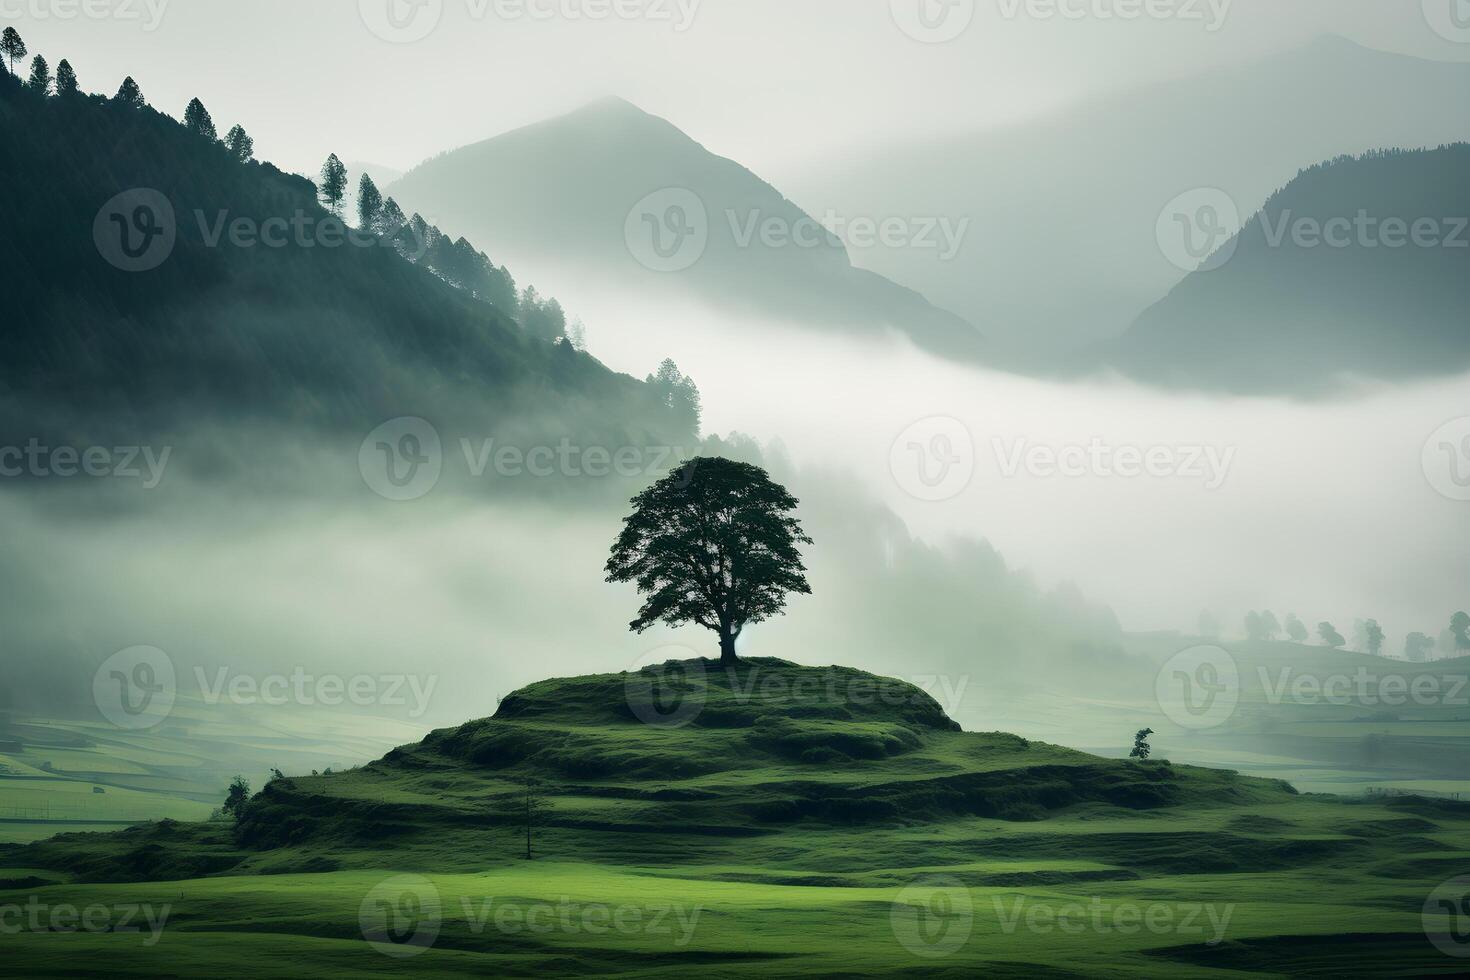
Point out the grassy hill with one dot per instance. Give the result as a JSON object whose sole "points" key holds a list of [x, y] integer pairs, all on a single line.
{"points": [[782, 819]]}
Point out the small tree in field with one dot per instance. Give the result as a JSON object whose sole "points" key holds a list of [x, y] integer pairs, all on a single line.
{"points": [[712, 543], [1330, 636], [1296, 630], [1141, 748]]}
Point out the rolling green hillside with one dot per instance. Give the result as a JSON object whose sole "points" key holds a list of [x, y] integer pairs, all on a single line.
{"points": [[781, 819]]}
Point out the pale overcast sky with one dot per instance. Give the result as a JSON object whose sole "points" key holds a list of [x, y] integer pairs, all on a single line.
{"points": [[771, 83]]}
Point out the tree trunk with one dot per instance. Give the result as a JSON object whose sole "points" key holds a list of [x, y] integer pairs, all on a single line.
{"points": [[727, 649]]}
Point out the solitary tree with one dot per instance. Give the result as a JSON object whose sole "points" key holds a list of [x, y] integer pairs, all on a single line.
{"points": [[1330, 636], [712, 543], [1141, 748], [369, 203], [197, 120], [240, 145], [1373, 637], [128, 93], [12, 47], [1460, 629], [1270, 625], [334, 184], [237, 797], [1296, 630], [1417, 647], [40, 80], [66, 79]]}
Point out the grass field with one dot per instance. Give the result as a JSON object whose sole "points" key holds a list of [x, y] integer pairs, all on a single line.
{"points": [[807, 827]]}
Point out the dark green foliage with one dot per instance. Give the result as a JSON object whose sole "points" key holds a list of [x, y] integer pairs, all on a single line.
{"points": [[66, 79], [369, 203], [198, 121], [455, 261], [1296, 630], [40, 80], [240, 145], [1141, 748], [322, 336], [713, 543], [333, 184], [236, 798], [1330, 636], [129, 94], [12, 47]]}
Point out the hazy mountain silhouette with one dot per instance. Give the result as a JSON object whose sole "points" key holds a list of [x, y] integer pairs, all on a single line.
{"points": [[1294, 307], [1062, 249], [302, 332], [559, 194]]}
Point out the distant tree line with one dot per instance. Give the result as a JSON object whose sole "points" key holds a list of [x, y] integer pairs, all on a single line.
{"points": [[1368, 635]]}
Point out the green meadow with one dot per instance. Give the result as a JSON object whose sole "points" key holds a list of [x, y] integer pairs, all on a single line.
{"points": [[771, 820]]}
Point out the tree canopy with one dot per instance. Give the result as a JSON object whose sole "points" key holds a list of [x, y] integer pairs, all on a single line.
{"points": [[713, 543]]}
